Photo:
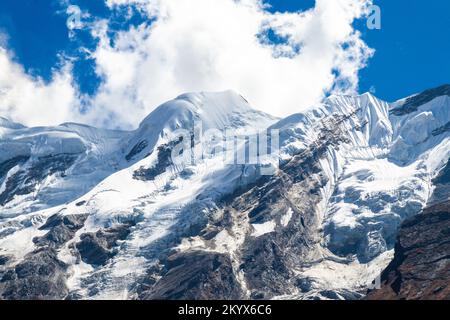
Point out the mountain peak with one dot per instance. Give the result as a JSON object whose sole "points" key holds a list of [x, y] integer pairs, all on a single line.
{"points": [[347, 174], [212, 110], [412, 103]]}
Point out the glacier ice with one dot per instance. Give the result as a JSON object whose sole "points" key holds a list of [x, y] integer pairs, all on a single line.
{"points": [[376, 167]]}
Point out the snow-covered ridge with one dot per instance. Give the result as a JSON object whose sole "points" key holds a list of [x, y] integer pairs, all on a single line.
{"points": [[53, 165], [382, 174], [222, 111], [376, 167], [98, 153], [412, 103], [116, 157]]}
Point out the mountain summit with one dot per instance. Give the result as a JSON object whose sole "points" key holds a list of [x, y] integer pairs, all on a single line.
{"points": [[88, 213]]}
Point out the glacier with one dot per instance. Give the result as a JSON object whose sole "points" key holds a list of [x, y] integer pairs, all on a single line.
{"points": [[107, 215]]}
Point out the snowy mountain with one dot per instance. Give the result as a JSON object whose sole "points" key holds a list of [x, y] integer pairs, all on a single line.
{"points": [[87, 213]]}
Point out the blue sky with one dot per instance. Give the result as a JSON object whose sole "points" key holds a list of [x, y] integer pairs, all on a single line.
{"points": [[412, 47], [38, 35]]}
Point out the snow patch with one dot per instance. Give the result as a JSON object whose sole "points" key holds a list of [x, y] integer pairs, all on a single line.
{"points": [[263, 228], [285, 219]]}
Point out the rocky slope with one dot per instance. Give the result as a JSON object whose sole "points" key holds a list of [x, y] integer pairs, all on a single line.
{"points": [[421, 265], [92, 214]]}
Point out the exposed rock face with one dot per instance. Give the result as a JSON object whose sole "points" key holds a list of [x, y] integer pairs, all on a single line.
{"points": [[343, 177], [268, 260], [138, 148], [163, 162], [265, 262], [25, 180], [41, 275], [421, 267], [97, 248], [61, 229], [11, 163], [196, 275], [3, 260], [442, 186]]}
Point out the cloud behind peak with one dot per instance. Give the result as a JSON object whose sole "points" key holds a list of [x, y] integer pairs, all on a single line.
{"points": [[281, 62]]}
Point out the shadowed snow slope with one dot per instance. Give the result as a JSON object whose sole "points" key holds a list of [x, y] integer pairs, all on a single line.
{"points": [[117, 219]]}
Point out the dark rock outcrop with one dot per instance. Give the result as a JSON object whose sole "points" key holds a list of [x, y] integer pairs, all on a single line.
{"points": [[421, 267], [442, 186], [263, 262], [31, 173], [41, 275], [61, 229], [164, 153], [11, 163], [138, 148], [196, 275], [441, 130], [97, 248], [4, 260]]}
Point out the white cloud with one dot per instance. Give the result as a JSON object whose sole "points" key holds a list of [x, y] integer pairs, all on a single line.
{"points": [[214, 45], [31, 101]]}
